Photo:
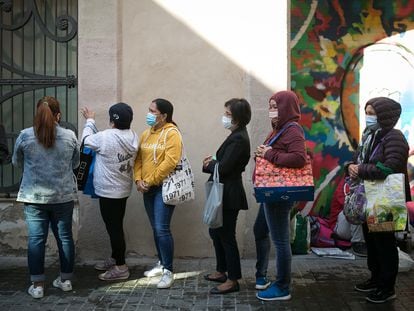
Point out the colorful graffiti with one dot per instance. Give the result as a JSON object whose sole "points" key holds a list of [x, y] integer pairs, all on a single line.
{"points": [[328, 40]]}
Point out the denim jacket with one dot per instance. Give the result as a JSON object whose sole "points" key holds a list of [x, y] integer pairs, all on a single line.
{"points": [[47, 173]]}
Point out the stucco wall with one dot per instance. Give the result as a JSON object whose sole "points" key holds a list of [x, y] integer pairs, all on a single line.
{"points": [[197, 55], [135, 51]]}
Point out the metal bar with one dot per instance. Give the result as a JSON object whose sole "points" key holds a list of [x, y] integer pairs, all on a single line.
{"points": [[44, 45], [12, 88], [67, 63], [34, 65], [69, 81], [56, 46], [23, 55]]}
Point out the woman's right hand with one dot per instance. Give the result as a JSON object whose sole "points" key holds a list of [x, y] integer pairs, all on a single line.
{"points": [[353, 171], [207, 161], [142, 186], [261, 150], [87, 113]]}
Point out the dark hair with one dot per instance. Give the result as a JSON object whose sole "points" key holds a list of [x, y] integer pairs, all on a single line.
{"points": [[164, 106], [44, 123], [240, 111], [121, 116]]}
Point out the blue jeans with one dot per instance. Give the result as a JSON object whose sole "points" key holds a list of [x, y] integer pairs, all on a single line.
{"points": [[261, 237], [160, 215], [277, 219], [59, 217]]}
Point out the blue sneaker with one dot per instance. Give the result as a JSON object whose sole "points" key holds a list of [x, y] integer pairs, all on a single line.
{"points": [[262, 283], [274, 293]]}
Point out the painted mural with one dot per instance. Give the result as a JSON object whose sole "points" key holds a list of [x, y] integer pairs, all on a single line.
{"points": [[344, 52]]}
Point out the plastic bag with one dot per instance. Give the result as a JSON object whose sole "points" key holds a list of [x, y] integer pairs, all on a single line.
{"points": [[405, 262], [386, 206], [355, 201], [213, 208], [300, 244]]}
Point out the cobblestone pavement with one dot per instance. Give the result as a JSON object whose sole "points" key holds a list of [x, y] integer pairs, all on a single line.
{"points": [[318, 284]]}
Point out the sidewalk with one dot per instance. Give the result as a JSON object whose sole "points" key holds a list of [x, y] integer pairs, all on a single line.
{"points": [[318, 284]]}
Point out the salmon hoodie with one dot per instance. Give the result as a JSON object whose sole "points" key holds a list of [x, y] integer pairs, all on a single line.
{"points": [[158, 154]]}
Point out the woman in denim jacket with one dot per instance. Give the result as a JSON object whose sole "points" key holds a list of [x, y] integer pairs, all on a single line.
{"points": [[48, 155]]}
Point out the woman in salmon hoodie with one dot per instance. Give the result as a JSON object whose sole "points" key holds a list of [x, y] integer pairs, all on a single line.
{"points": [[288, 151], [158, 155]]}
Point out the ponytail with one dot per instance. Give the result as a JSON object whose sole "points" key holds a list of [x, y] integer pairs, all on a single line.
{"points": [[45, 121]]}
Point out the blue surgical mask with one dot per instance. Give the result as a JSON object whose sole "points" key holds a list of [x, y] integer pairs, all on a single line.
{"points": [[371, 121], [226, 122], [151, 119]]}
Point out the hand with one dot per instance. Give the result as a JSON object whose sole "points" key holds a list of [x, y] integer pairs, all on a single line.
{"points": [[142, 186], [88, 114], [207, 160], [261, 150], [353, 171]]}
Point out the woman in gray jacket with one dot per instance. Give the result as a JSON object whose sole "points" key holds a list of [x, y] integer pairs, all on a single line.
{"points": [[48, 154], [116, 149]]}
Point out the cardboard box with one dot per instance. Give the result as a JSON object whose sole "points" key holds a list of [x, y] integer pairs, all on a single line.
{"points": [[275, 184], [278, 194]]}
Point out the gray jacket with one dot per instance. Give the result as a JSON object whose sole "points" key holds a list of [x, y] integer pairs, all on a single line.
{"points": [[116, 151], [47, 173]]}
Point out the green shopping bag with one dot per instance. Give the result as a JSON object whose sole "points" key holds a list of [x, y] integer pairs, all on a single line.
{"points": [[300, 242]]}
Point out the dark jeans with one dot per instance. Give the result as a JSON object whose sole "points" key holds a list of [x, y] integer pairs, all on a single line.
{"points": [[261, 237], [277, 222], [382, 257], [160, 215], [225, 245], [59, 217], [113, 211]]}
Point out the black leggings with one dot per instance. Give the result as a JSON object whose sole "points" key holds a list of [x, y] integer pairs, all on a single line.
{"points": [[382, 257], [225, 245], [113, 211]]}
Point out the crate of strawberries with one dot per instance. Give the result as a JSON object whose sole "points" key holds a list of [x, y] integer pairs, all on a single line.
{"points": [[275, 183]]}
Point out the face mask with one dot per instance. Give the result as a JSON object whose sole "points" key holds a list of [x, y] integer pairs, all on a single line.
{"points": [[273, 114], [151, 119], [371, 121], [226, 122]]}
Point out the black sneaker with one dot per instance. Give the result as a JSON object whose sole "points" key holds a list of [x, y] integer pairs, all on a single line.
{"points": [[367, 286], [381, 296], [359, 249]]}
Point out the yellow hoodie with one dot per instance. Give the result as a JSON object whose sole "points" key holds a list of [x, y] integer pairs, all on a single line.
{"points": [[158, 154]]}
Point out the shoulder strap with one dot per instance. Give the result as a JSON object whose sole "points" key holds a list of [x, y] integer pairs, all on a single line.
{"points": [[82, 146], [172, 129], [272, 141], [379, 143]]}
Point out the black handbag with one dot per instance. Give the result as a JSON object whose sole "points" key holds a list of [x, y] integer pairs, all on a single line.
{"points": [[82, 171]]}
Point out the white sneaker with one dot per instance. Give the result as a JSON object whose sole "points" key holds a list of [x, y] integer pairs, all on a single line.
{"points": [[156, 271], [167, 279], [36, 292], [65, 286]]}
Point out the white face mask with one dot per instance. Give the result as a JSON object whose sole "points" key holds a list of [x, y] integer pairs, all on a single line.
{"points": [[226, 122], [273, 114]]}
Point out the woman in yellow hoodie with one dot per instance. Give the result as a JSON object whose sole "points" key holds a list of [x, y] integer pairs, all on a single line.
{"points": [[158, 155]]}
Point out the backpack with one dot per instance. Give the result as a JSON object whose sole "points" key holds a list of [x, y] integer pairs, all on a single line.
{"points": [[321, 234]]}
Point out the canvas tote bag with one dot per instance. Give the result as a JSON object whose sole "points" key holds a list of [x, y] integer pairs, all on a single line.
{"points": [[178, 186]]}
